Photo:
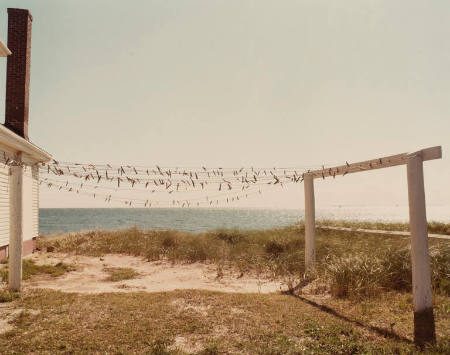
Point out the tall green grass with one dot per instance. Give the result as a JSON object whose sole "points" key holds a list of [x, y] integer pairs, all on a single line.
{"points": [[362, 274]]}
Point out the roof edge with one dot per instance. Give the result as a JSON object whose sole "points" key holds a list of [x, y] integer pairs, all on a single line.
{"points": [[16, 142]]}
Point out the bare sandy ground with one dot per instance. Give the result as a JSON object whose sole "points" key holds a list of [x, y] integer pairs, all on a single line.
{"points": [[90, 276]]}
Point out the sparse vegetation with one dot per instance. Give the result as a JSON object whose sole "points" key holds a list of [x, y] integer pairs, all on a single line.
{"points": [[30, 268], [368, 275], [159, 323], [353, 264], [120, 273]]}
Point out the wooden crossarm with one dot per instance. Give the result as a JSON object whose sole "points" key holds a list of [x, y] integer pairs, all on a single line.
{"points": [[379, 163]]}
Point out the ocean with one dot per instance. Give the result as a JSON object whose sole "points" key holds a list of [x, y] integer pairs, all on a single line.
{"points": [[63, 220]]}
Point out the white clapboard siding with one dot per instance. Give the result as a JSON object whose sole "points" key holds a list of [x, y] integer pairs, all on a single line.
{"points": [[27, 205], [4, 206], [30, 203], [35, 202]]}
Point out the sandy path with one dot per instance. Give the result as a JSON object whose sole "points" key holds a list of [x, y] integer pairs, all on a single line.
{"points": [[155, 276], [377, 231]]}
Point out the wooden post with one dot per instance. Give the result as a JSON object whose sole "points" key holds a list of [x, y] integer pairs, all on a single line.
{"points": [[16, 231], [424, 331], [310, 222]]}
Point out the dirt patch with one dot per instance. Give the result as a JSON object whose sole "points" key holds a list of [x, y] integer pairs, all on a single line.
{"points": [[182, 305], [90, 275], [186, 344], [8, 313]]}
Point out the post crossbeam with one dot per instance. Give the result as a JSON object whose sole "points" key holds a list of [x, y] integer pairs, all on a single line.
{"points": [[378, 163]]}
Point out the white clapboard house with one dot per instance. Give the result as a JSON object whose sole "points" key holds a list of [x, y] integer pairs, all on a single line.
{"points": [[19, 158]]}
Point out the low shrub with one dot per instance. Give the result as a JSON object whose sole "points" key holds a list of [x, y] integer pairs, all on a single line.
{"points": [[230, 236], [169, 242], [274, 248]]}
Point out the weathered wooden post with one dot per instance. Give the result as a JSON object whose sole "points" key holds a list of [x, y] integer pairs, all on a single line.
{"points": [[16, 231], [310, 222], [424, 331]]}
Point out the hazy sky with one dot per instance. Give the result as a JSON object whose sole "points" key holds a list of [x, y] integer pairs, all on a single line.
{"points": [[231, 83]]}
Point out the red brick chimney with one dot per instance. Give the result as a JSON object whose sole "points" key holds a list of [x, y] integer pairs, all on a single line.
{"points": [[18, 71]]}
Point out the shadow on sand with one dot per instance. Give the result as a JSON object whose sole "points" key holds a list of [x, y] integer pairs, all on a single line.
{"points": [[381, 331]]}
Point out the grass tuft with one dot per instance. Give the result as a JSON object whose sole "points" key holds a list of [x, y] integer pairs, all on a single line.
{"points": [[120, 273], [230, 236], [274, 248], [364, 274], [30, 268], [8, 296]]}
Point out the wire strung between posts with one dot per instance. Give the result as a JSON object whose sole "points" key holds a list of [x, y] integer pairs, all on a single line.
{"points": [[115, 189], [210, 200], [206, 186], [210, 186], [172, 180]]}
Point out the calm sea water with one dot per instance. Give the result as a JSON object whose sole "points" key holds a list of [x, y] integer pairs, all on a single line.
{"points": [[64, 220]]}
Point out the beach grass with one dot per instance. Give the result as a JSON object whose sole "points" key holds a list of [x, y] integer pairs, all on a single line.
{"points": [[351, 264]]}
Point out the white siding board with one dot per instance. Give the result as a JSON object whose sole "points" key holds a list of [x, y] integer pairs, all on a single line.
{"points": [[30, 194], [4, 206], [35, 201], [27, 204]]}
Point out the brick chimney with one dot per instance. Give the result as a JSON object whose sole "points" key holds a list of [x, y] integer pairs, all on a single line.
{"points": [[18, 71]]}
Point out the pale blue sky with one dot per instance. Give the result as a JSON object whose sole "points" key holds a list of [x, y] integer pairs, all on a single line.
{"points": [[268, 83]]}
